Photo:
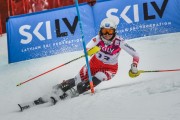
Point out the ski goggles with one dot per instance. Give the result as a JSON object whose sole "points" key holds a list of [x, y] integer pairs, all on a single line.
{"points": [[105, 31]]}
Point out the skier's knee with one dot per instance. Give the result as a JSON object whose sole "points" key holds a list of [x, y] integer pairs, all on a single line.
{"points": [[104, 76]]}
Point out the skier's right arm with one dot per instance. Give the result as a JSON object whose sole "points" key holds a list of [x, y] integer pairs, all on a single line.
{"points": [[93, 42], [91, 46]]}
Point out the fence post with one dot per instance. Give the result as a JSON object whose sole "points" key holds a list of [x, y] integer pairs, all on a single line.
{"points": [[59, 3], [24, 6], [8, 7], [0, 25], [12, 7]]}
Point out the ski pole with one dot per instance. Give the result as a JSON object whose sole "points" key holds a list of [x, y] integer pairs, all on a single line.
{"points": [[89, 52], [148, 71]]}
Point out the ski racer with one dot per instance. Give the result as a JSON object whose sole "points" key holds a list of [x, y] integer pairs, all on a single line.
{"points": [[103, 64]]}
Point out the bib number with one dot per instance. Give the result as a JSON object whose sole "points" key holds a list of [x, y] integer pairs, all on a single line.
{"points": [[103, 56]]}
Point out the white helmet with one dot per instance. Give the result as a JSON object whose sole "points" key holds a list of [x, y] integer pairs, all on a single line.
{"points": [[108, 23]]}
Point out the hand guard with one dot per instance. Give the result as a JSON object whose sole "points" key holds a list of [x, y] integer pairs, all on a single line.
{"points": [[133, 72], [93, 50]]}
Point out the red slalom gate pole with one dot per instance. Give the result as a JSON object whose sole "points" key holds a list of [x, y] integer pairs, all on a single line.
{"points": [[90, 52], [48, 71]]}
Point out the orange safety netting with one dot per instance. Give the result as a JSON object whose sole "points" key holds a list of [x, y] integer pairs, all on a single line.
{"points": [[17, 7]]}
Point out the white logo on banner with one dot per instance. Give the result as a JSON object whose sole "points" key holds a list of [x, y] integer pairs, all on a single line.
{"points": [[36, 32], [146, 7]]}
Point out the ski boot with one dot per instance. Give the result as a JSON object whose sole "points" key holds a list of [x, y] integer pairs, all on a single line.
{"points": [[85, 86], [39, 101], [61, 91]]}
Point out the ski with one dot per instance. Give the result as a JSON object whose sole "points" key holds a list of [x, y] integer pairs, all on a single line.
{"points": [[23, 107], [53, 99], [26, 106], [39, 101]]}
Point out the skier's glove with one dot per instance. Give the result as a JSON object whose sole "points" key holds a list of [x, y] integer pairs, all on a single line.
{"points": [[133, 72]]}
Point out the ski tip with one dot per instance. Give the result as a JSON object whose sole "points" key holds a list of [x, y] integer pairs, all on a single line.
{"points": [[20, 108]]}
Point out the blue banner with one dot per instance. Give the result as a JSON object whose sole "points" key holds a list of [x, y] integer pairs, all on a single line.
{"points": [[56, 31], [48, 33], [137, 18]]}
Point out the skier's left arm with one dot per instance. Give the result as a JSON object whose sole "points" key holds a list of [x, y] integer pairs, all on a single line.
{"points": [[133, 72]]}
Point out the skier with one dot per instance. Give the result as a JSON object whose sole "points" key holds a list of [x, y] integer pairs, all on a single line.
{"points": [[103, 64]]}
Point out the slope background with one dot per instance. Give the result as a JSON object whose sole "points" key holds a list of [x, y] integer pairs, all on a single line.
{"points": [[151, 96]]}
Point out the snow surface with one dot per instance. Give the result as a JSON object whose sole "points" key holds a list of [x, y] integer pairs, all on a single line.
{"points": [[151, 96]]}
